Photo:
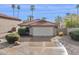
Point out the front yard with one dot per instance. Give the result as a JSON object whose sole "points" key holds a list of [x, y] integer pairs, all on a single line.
{"points": [[39, 43]]}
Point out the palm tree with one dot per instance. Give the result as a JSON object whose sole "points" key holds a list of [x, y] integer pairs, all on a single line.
{"points": [[32, 8], [18, 7], [77, 7], [58, 20], [13, 7]]}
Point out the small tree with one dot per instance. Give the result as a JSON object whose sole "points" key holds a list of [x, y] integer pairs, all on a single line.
{"points": [[77, 7], [70, 20], [58, 20]]}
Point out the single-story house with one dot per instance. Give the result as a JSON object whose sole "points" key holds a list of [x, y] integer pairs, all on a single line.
{"points": [[7, 22], [40, 27]]}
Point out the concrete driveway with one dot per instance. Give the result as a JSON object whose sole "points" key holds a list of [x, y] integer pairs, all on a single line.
{"points": [[33, 46]]}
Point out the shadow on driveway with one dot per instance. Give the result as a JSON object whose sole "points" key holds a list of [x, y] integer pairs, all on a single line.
{"points": [[35, 39], [5, 45]]}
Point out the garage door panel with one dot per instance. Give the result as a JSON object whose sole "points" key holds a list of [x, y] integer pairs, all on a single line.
{"points": [[43, 31]]}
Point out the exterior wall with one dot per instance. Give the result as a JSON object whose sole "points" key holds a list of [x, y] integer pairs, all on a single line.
{"points": [[31, 30], [43, 31], [55, 31], [6, 25]]}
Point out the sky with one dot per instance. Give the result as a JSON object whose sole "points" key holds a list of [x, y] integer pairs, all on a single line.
{"points": [[50, 11]]}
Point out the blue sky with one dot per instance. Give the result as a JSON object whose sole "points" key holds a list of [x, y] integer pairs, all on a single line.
{"points": [[50, 11]]}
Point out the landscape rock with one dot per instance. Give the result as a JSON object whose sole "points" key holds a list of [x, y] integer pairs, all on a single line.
{"points": [[17, 43]]}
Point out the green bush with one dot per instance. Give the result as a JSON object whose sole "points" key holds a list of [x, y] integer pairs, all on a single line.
{"points": [[75, 35], [23, 31], [12, 37]]}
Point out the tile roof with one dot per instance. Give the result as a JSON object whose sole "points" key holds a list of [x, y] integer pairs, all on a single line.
{"points": [[26, 23], [38, 23], [9, 17]]}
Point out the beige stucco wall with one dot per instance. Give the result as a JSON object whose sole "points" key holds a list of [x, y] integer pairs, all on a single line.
{"points": [[43, 31], [31, 30], [6, 25]]}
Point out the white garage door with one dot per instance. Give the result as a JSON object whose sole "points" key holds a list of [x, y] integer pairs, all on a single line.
{"points": [[43, 31]]}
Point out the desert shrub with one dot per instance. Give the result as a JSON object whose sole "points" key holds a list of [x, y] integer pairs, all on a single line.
{"points": [[12, 37], [23, 31], [74, 35]]}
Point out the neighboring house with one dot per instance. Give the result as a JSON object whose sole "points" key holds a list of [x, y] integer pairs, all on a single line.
{"points": [[40, 27], [7, 22]]}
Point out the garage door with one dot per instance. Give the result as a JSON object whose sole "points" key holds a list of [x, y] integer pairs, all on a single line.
{"points": [[43, 31]]}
